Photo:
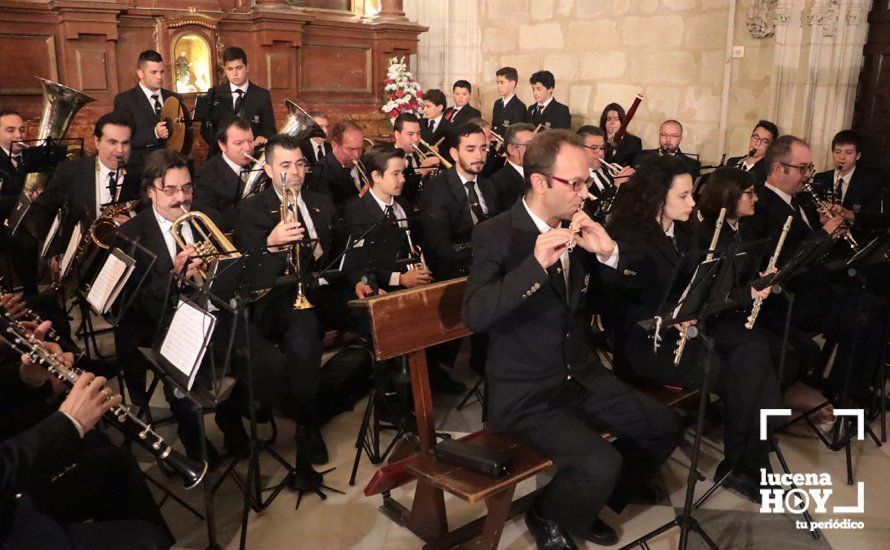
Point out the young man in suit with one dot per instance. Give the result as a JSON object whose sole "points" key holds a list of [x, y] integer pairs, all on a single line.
{"points": [[546, 111], [545, 384], [220, 180], [461, 111], [754, 161], [12, 131], [143, 104], [603, 185], [296, 330], [670, 134], [315, 149], [239, 97], [434, 127], [406, 134], [854, 192], [510, 180], [336, 175], [508, 108]]}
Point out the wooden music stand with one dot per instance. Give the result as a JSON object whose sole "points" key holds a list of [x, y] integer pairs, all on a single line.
{"points": [[406, 323]]}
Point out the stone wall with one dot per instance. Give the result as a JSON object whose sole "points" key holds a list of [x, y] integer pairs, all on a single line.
{"points": [[800, 65]]}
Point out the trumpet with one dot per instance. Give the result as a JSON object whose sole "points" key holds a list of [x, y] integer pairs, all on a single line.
{"points": [[497, 137], [363, 176], [431, 150], [289, 204], [212, 242], [119, 416], [612, 167], [416, 252]]}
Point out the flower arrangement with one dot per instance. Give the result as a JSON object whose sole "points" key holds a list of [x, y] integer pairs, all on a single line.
{"points": [[403, 93]]}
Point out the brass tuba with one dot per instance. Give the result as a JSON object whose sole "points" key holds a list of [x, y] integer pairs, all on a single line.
{"points": [[209, 240], [60, 104], [298, 124]]}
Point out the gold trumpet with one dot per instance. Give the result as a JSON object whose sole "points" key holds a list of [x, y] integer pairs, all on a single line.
{"points": [[416, 252], [497, 137], [363, 176], [612, 167], [212, 241], [431, 150], [289, 204]]}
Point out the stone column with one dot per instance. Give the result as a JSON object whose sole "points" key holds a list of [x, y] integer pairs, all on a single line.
{"points": [[391, 10]]}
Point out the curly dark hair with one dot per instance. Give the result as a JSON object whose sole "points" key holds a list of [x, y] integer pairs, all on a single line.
{"points": [[724, 189], [642, 197]]}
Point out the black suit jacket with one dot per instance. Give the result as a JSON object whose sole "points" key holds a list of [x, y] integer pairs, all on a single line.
{"points": [[218, 105], [447, 223], [510, 186], [693, 165], [134, 104], [443, 130], [331, 178], [217, 187], [11, 182], [624, 153], [770, 215], [535, 326], [383, 246], [864, 197], [465, 114], [758, 171], [309, 151], [556, 115], [502, 117]]}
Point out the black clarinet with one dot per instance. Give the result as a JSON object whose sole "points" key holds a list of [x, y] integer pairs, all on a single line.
{"points": [[191, 472]]}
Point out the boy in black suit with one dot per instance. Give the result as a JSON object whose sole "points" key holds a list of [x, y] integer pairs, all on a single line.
{"points": [[237, 97], [143, 104], [461, 111], [753, 161], [546, 111], [434, 126], [508, 108], [219, 181], [527, 291]]}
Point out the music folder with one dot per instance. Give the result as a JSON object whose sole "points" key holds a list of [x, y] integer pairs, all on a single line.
{"points": [[186, 342], [110, 281], [51, 234]]}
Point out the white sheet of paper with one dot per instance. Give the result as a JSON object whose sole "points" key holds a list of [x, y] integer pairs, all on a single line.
{"points": [[51, 234], [183, 345], [108, 283], [70, 250]]}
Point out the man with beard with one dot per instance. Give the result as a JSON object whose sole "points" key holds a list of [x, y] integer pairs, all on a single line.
{"points": [[670, 134]]}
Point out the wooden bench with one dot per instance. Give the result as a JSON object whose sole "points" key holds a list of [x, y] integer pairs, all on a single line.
{"points": [[406, 323]]}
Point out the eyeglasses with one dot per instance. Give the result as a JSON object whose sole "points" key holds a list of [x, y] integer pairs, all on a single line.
{"points": [[757, 139], [673, 136], [595, 148], [521, 144], [804, 168], [576, 185], [172, 191]]}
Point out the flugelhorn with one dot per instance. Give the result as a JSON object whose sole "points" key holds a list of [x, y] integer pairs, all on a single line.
{"points": [[212, 245], [289, 204], [119, 416]]}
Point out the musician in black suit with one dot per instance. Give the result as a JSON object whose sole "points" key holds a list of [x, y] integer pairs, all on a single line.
{"points": [[12, 131], [143, 104], [103, 498], [545, 384], [239, 97], [461, 111], [510, 180], [670, 135], [315, 149], [219, 182], [508, 108], [603, 184], [406, 134], [546, 111], [297, 330], [494, 160], [754, 161], [854, 191], [80, 188], [650, 214], [624, 151], [434, 128], [336, 175]]}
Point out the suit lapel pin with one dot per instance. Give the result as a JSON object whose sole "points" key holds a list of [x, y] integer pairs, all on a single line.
{"points": [[547, 124], [256, 119]]}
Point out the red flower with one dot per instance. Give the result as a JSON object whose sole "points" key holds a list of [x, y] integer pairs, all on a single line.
{"points": [[399, 93]]}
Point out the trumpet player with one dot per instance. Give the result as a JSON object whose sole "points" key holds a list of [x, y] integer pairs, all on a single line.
{"points": [[297, 331], [510, 180], [220, 180], [336, 174], [12, 132], [406, 134]]}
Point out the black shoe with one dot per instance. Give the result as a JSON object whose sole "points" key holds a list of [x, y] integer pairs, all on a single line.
{"points": [[304, 479], [309, 437], [548, 535], [738, 481], [602, 534], [441, 381]]}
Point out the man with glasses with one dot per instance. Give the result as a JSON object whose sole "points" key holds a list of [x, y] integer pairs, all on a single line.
{"points": [[754, 162], [336, 174], [670, 135], [527, 291], [509, 180], [603, 185]]}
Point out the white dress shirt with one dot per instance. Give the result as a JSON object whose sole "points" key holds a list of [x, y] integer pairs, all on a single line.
{"points": [[148, 93], [436, 122], [311, 232], [103, 177], [237, 168], [543, 106], [846, 185], [167, 231], [516, 167], [235, 94], [505, 100], [399, 213]]}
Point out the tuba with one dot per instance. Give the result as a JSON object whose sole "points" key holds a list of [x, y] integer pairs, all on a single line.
{"points": [[298, 124], [60, 104], [289, 204], [208, 241]]}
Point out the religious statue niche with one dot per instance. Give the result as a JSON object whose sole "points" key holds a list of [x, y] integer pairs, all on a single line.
{"points": [[192, 64]]}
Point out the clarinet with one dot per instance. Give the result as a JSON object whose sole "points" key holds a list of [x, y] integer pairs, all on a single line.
{"points": [[823, 209], [684, 334], [758, 302], [191, 472]]}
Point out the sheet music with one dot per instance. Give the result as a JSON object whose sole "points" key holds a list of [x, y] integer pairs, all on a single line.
{"points": [[187, 338], [111, 279], [57, 221], [70, 250]]}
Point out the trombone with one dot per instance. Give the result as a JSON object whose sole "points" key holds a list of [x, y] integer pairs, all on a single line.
{"points": [[289, 204]]}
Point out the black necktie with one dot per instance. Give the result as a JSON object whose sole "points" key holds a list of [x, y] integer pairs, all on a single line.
{"points": [[320, 151], [157, 104], [475, 207], [389, 213], [431, 125], [16, 160], [239, 101], [540, 111], [112, 185], [839, 191]]}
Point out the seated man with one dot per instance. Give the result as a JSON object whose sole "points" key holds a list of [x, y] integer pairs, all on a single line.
{"points": [[670, 134], [509, 180], [335, 175], [545, 384], [603, 185]]}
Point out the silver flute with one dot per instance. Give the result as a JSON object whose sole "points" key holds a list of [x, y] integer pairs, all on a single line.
{"points": [[758, 302]]}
